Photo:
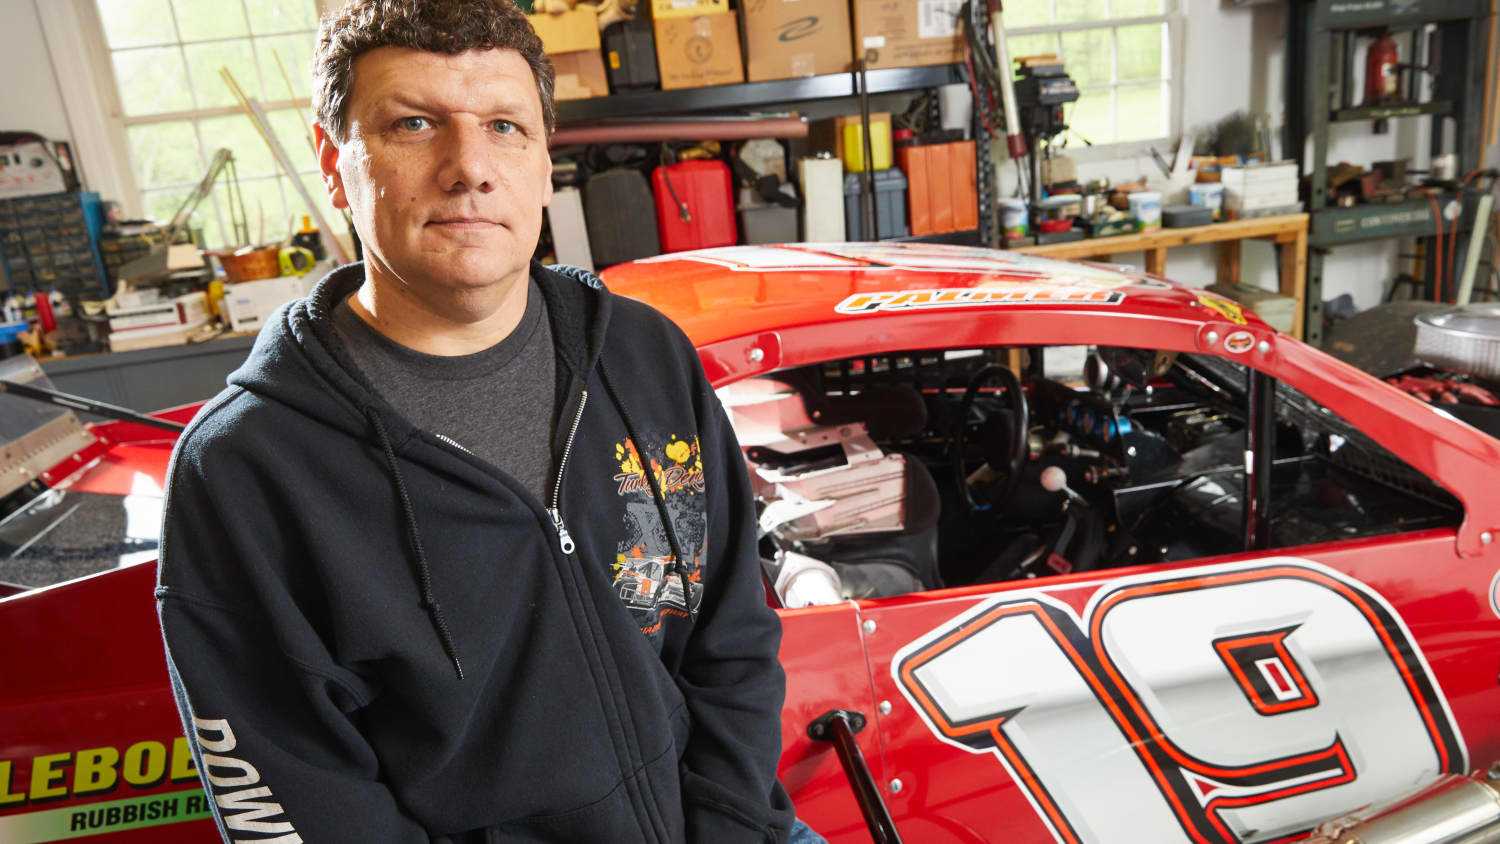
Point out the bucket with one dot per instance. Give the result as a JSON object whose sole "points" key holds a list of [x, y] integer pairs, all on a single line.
{"points": [[250, 264]]}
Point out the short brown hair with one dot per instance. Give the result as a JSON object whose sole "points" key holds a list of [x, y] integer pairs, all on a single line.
{"points": [[437, 26]]}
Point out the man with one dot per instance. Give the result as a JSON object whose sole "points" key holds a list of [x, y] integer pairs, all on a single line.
{"points": [[464, 552]]}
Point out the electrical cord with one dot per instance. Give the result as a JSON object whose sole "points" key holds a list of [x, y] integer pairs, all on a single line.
{"points": [[1437, 261]]}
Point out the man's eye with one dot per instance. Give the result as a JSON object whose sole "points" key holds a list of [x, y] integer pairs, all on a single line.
{"points": [[412, 124], [505, 127]]}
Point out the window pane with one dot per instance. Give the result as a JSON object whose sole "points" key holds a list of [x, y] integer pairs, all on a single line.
{"points": [[204, 61], [1141, 51], [152, 81], [296, 56], [1079, 11], [1028, 13], [1086, 56], [235, 131], [162, 204], [164, 153], [1136, 8], [197, 19], [1093, 116], [1031, 45], [264, 211], [1143, 109], [135, 23], [271, 16], [292, 132]]}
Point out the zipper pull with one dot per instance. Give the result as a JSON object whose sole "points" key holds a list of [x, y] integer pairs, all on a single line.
{"points": [[564, 539]]}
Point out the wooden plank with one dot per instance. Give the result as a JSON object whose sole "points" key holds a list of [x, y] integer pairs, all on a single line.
{"points": [[1156, 261], [1215, 233], [1294, 279], [1229, 262]]}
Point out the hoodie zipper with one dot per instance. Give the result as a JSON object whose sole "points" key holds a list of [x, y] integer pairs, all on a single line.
{"points": [[564, 539], [451, 441]]}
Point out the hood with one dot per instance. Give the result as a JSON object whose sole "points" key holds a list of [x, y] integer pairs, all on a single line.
{"points": [[298, 361]]}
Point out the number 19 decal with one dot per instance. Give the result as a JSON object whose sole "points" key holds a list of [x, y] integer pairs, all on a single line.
{"points": [[1244, 704]]}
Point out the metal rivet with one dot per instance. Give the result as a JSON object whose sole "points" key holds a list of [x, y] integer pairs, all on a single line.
{"points": [[1486, 537], [1264, 347], [896, 786], [1130, 451], [756, 354], [885, 707], [1212, 337], [870, 626]]}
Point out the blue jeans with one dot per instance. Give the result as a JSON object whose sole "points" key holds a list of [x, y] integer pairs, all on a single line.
{"points": [[803, 834]]}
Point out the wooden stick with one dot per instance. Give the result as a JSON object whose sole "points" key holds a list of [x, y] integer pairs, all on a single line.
{"points": [[292, 93], [262, 125]]}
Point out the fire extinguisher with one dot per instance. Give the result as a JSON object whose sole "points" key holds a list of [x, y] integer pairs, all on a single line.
{"points": [[1382, 76]]}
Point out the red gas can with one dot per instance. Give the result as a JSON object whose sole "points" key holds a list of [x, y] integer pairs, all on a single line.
{"points": [[694, 205]]}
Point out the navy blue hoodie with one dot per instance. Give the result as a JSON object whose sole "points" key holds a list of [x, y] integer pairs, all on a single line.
{"points": [[376, 636]]}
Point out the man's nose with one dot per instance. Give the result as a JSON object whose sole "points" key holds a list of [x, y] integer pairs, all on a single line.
{"points": [[468, 159]]}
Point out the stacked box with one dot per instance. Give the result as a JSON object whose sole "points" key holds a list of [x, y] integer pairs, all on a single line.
{"points": [[51, 241], [1259, 188]]}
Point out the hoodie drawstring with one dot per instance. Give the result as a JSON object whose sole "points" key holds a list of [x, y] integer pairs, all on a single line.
{"points": [[656, 493], [414, 537]]}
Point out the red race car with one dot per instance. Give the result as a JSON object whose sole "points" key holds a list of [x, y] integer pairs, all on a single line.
{"points": [[1065, 553]]}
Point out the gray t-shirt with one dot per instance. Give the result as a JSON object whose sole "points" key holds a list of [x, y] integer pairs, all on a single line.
{"points": [[498, 404]]}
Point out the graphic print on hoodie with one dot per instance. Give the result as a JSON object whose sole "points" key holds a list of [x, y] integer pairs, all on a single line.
{"points": [[644, 573]]}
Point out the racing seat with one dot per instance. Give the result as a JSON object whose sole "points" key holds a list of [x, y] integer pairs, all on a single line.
{"points": [[894, 550]]}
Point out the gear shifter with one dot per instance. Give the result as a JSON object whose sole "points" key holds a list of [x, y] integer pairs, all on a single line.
{"points": [[1054, 479]]}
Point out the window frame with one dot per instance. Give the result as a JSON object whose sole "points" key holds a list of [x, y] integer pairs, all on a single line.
{"points": [[1175, 19], [82, 59]]}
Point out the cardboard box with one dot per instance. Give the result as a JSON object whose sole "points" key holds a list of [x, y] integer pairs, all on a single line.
{"points": [[573, 30], [699, 51], [908, 33], [663, 9], [580, 75], [786, 39]]}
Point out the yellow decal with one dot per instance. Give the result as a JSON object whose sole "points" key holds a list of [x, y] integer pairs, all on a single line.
{"points": [[1226, 308], [94, 771]]}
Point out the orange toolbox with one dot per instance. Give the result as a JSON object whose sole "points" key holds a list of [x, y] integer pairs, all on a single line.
{"points": [[941, 195]]}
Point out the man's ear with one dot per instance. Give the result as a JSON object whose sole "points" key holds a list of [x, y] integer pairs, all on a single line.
{"points": [[547, 184], [328, 162]]}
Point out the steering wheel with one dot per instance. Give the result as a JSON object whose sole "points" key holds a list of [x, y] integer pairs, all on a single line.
{"points": [[1005, 439]]}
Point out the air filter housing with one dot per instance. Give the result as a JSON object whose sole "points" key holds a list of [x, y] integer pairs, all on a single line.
{"points": [[1465, 339]]}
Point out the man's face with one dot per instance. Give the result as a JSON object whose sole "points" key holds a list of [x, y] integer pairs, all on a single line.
{"points": [[445, 171]]}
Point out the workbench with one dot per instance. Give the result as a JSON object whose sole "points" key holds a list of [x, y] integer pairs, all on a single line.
{"points": [[1287, 231]]}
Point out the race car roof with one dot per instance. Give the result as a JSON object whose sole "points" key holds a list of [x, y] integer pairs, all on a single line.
{"points": [[714, 294]]}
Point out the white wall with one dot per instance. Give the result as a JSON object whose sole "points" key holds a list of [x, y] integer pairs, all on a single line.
{"points": [[30, 99]]}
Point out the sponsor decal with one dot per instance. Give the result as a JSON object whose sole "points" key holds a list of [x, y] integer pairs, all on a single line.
{"points": [[1244, 702], [973, 297], [1226, 308], [51, 778], [1239, 342]]}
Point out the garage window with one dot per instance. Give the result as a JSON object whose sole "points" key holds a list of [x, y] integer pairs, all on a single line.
{"points": [[1123, 55], [159, 61]]}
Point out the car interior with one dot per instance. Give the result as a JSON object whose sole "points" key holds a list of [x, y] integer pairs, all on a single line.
{"points": [[887, 475]]}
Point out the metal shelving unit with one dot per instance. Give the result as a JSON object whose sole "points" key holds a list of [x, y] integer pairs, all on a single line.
{"points": [[1320, 62], [635, 104], [632, 105]]}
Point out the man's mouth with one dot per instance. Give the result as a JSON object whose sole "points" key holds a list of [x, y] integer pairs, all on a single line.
{"points": [[463, 222]]}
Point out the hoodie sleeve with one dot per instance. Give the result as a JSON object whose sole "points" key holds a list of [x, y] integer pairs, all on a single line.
{"points": [[731, 676], [270, 714]]}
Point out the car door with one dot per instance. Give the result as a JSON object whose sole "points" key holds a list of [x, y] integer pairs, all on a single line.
{"points": [[1242, 697]]}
